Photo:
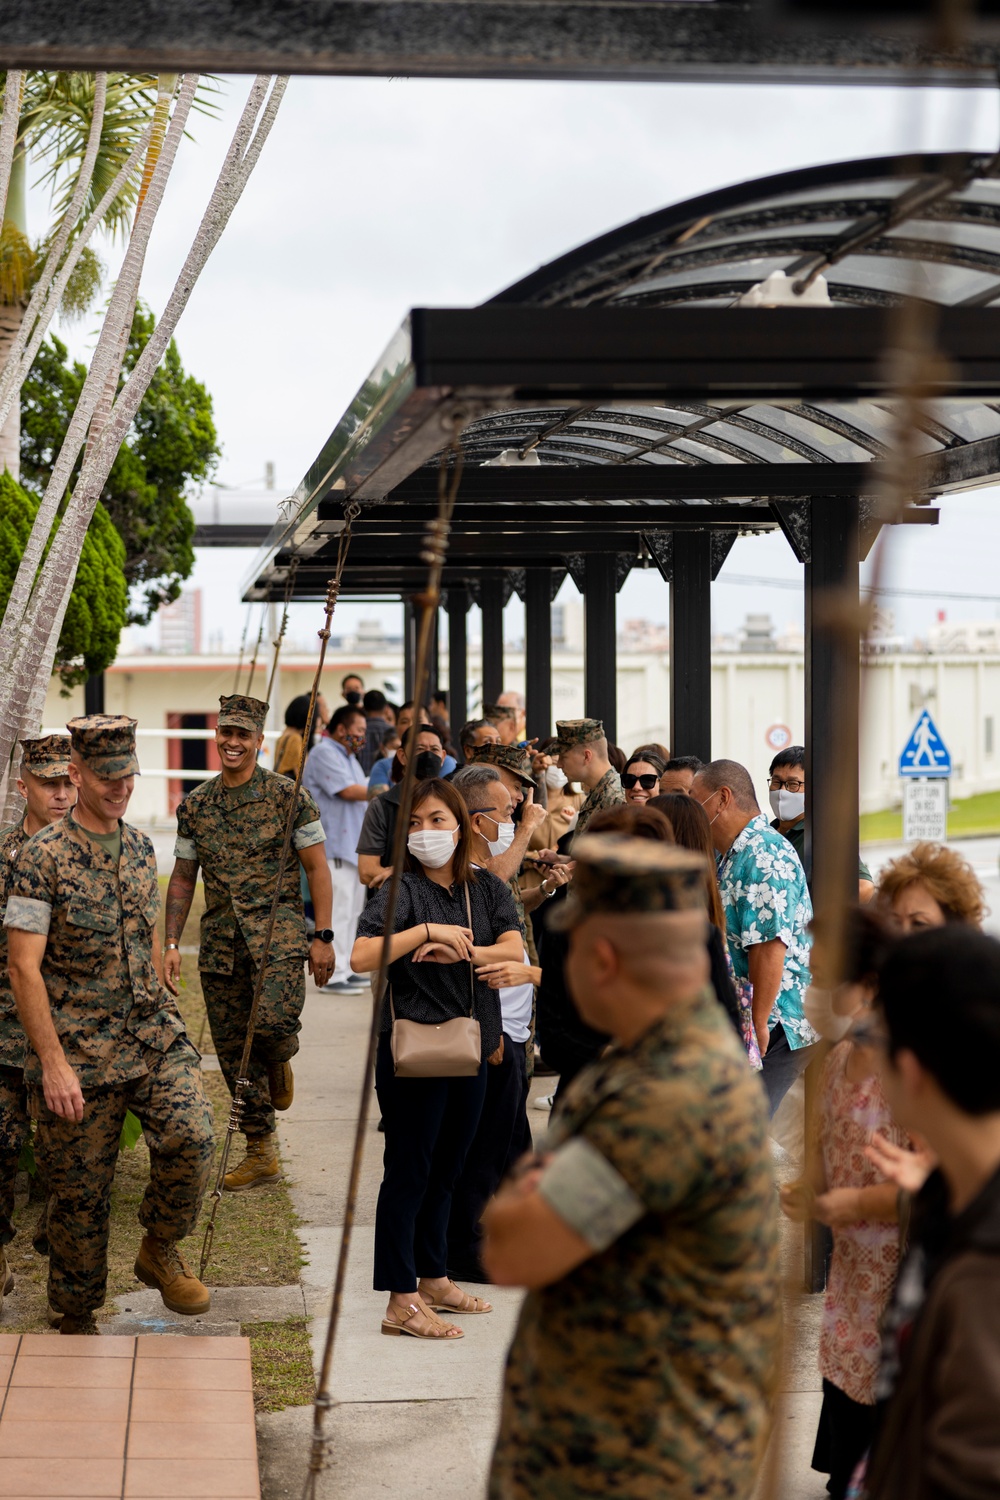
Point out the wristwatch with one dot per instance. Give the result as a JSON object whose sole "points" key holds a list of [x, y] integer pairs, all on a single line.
{"points": [[323, 935], [169, 943]]}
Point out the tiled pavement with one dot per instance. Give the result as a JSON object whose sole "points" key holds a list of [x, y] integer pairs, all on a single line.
{"points": [[116, 1418]]}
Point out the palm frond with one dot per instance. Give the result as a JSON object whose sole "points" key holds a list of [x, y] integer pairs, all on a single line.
{"points": [[17, 263], [55, 120]]}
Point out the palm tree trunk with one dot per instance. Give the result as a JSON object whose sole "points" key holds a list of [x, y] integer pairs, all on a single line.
{"points": [[10, 432], [36, 640], [13, 89], [15, 359], [102, 368]]}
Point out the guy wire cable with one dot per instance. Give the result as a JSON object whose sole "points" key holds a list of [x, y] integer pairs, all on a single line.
{"points": [[276, 643], [433, 553], [351, 512], [256, 649]]}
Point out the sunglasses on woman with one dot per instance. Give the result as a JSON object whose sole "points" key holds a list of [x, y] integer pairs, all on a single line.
{"points": [[646, 781]]}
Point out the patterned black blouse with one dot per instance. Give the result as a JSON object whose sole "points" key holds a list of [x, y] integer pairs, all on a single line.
{"points": [[440, 992]]}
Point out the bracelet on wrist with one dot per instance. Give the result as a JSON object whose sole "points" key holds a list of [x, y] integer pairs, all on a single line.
{"points": [[169, 943]]}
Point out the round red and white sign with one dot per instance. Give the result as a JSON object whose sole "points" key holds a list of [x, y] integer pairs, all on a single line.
{"points": [[778, 736]]}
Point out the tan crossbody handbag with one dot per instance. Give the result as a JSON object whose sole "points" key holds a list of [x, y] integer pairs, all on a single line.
{"points": [[449, 1049]]}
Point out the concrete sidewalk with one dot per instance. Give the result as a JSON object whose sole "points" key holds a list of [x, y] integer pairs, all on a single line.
{"points": [[415, 1418]]}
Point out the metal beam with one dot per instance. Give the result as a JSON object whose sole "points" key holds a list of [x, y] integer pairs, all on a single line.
{"points": [[235, 535], [458, 658], [637, 481], [598, 39], [500, 351], [691, 646], [538, 651], [600, 668]]}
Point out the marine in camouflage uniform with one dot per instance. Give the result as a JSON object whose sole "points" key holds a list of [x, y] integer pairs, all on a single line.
{"points": [[106, 1036], [45, 780], [235, 834], [577, 734], [645, 1369]]}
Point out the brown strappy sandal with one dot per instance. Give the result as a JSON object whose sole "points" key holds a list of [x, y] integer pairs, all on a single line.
{"points": [[449, 1334], [468, 1307]]}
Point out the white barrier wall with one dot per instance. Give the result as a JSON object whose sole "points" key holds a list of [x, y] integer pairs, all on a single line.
{"points": [[750, 694]]}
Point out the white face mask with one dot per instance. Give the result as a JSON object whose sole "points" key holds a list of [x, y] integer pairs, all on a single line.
{"points": [[787, 807], [433, 846], [504, 838], [818, 1006], [555, 779]]}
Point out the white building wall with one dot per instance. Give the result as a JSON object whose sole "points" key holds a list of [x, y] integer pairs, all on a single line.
{"points": [[750, 693]]}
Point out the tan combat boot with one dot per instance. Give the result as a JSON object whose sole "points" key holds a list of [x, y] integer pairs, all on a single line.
{"points": [[72, 1324], [280, 1084], [259, 1168], [160, 1264]]}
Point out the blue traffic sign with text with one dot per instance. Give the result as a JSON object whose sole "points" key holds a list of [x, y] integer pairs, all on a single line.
{"points": [[925, 752]]}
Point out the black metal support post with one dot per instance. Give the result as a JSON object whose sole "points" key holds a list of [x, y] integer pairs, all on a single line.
{"points": [[691, 645], [93, 694], [409, 648], [833, 689], [491, 602], [458, 659], [538, 651], [600, 685]]}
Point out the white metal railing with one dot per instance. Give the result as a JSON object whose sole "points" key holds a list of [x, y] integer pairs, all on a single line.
{"points": [[180, 773]]}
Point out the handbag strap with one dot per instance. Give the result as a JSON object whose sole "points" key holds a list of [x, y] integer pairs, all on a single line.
{"points": [[472, 972]]}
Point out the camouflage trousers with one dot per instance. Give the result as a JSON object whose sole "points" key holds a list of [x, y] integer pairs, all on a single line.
{"points": [[79, 1161], [14, 1126], [228, 998]]}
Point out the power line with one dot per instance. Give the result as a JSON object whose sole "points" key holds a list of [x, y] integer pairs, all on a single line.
{"points": [[793, 583]]}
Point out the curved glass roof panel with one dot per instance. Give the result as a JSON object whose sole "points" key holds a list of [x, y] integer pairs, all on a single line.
{"points": [[879, 231]]}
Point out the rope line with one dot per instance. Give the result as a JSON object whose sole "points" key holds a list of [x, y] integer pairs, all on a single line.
{"points": [[256, 649], [237, 1106], [276, 643], [433, 552], [243, 647]]}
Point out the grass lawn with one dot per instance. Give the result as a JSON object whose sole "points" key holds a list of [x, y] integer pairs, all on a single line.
{"points": [[970, 816], [255, 1241]]}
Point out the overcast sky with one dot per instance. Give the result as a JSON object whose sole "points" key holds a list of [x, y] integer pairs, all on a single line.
{"points": [[373, 196]]}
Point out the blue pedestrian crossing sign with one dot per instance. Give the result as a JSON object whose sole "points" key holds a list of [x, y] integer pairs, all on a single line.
{"points": [[925, 752]]}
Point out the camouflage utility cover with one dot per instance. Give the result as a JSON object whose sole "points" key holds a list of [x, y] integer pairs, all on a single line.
{"points": [[46, 755], [649, 1370], [107, 743], [106, 999], [236, 834], [506, 758], [13, 1042], [607, 793], [572, 732], [243, 712]]}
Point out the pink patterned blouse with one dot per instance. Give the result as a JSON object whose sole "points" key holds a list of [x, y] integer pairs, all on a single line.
{"points": [[865, 1254]]}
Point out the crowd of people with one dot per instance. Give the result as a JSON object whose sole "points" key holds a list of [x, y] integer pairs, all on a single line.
{"points": [[635, 927]]}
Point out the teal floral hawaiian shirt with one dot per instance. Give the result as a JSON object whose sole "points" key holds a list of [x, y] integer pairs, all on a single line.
{"points": [[765, 896]]}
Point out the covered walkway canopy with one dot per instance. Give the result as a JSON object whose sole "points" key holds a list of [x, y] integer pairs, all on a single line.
{"points": [[622, 406]]}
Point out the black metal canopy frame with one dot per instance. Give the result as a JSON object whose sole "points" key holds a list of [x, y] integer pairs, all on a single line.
{"points": [[854, 41], [620, 407]]}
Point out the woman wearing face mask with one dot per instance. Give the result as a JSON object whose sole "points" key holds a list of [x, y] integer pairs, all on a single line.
{"points": [[430, 1122], [844, 1188], [641, 776], [379, 827]]}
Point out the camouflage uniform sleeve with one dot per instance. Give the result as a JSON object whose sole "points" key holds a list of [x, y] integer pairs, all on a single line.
{"points": [[308, 828], [589, 1194], [184, 844], [32, 891], [659, 1138]]}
